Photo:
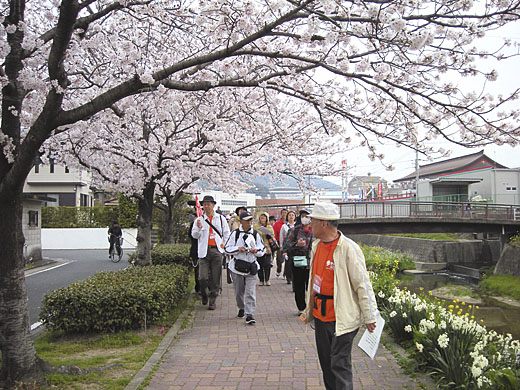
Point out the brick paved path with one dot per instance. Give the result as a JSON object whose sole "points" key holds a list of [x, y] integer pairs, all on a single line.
{"points": [[221, 352]]}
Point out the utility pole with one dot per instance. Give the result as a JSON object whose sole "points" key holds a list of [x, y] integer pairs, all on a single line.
{"points": [[344, 181], [416, 175]]}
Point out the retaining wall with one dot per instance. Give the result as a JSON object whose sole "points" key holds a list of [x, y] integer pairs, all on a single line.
{"points": [[509, 262], [480, 252], [96, 238]]}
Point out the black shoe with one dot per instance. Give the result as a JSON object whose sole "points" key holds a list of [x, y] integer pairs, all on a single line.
{"points": [[204, 300], [212, 306], [250, 320], [240, 313]]}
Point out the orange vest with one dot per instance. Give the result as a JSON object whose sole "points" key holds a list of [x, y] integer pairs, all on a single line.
{"points": [[211, 237], [323, 281]]}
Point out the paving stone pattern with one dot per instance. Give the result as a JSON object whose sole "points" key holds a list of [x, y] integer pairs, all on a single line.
{"points": [[221, 352]]}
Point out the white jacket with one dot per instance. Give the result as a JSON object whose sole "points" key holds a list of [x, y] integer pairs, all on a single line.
{"points": [[233, 244], [202, 234]]}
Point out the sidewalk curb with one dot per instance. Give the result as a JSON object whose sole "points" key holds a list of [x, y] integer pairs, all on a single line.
{"points": [[165, 343]]}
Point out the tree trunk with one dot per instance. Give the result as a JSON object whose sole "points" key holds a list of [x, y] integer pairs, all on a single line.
{"points": [[169, 232], [19, 360], [144, 226]]}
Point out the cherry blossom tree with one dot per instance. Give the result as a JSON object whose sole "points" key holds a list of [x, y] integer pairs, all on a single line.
{"points": [[368, 69], [210, 136]]}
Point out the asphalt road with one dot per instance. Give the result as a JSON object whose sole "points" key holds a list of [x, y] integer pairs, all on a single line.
{"points": [[71, 266]]}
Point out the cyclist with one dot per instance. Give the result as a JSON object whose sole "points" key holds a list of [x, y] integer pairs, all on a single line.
{"points": [[114, 236]]}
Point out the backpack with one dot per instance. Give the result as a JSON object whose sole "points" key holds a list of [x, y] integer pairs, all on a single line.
{"points": [[237, 234]]}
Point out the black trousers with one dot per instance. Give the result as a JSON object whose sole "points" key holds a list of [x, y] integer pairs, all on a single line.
{"points": [[114, 241], [287, 271], [300, 276], [264, 273], [334, 353]]}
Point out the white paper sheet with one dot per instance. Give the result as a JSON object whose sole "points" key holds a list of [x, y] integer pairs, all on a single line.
{"points": [[369, 342]]}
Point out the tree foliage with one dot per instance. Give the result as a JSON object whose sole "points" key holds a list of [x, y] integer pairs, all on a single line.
{"points": [[196, 85]]}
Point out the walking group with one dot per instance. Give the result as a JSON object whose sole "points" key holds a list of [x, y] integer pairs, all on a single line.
{"points": [[327, 271]]}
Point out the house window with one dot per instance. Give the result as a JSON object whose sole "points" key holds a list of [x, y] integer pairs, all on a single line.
{"points": [[83, 200], [33, 218], [67, 169], [511, 188], [51, 168], [37, 168]]}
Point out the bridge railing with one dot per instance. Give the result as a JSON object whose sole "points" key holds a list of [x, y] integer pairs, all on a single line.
{"points": [[428, 209]]}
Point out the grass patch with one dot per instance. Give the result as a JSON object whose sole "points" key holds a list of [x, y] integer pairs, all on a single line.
{"points": [[429, 236], [502, 285], [456, 290], [126, 352]]}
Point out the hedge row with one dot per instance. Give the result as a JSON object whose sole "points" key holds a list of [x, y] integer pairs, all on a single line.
{"points": [[171, 254], [79, 217], [114, 301], [91, 217]]}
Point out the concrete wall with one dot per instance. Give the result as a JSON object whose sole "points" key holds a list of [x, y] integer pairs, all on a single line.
{"points": [[32, 247], [436, 251], [509, 262], [84, 238]]}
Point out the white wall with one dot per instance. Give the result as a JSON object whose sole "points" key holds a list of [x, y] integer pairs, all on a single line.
{"points": [[84, 238]]}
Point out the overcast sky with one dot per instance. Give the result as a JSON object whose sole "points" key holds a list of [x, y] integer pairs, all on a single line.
{"points": [[404, 159]]}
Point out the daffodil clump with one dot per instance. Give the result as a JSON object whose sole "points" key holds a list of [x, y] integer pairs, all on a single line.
{"points": [[449, 343]]}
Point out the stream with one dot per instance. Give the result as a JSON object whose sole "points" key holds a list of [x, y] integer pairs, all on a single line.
{"points": [[499, 316]]}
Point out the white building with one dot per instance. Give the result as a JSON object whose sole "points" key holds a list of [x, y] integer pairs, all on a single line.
{"points": [[31, 225], [227, 202], [474, 177], [70, 187]]}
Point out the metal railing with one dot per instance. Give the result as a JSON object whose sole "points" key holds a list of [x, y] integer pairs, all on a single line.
{"points": [[428, 209], [402, 209]]}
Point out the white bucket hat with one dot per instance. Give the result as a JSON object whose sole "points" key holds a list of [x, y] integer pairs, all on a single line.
{"points": [[325, 211]]}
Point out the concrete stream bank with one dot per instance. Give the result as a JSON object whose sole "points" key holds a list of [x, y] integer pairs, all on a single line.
{"points": [[474, 253]]}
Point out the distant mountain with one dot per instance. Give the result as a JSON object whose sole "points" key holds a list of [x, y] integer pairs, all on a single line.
{"points": [[286, 187], [267, 186]]}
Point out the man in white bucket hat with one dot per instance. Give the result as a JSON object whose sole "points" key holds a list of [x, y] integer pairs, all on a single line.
{"points": [[340, 297]]}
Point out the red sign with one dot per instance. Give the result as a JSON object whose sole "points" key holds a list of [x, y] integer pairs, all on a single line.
{"points": [[197, 207]]}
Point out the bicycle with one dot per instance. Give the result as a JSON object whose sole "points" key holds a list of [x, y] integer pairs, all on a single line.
{"points": [[117, 248]]}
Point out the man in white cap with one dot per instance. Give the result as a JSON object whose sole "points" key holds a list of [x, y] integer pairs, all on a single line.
{"points": [[340, 297], [245, 245]]}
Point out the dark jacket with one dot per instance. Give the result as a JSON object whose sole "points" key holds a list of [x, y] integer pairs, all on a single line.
{"points": [[115, 230], [289, 245]]}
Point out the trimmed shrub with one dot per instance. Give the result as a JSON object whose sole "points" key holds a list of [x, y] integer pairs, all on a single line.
{"points": [[114, 301], [80, 217], [171, 254]]}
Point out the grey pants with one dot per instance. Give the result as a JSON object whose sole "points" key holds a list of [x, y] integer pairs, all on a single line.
{"points": [[245, 292], [334, 354], [210, 273]]}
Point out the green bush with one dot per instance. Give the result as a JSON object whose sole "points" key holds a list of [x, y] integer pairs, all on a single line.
{"points": [[127, 212], [80, 217], [378, 258], [515, 240], [171, 254], [114, 301]]}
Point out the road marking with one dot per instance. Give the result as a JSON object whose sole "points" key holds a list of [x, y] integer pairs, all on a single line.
{"points": [[49, 269], [35, 325]]}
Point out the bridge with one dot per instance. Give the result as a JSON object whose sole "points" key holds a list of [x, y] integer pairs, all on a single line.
{"points": [[385, 217]]}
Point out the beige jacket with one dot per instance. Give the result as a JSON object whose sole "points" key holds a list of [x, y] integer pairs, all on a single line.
{"points": [[354, 299]]}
